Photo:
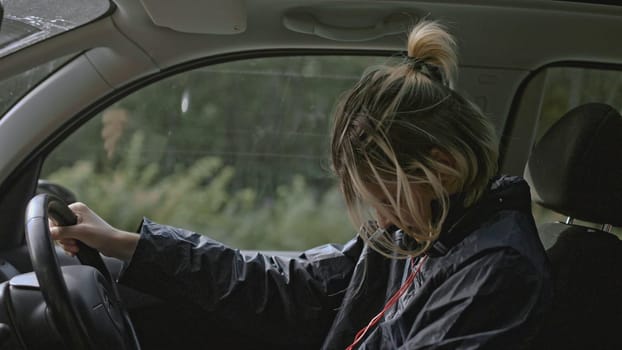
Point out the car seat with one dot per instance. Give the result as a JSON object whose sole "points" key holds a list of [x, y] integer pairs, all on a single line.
{"points": [[576, 170]]}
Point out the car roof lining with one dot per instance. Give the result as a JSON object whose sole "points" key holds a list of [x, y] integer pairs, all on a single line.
{"points": [[509, 27], [198, 17]]}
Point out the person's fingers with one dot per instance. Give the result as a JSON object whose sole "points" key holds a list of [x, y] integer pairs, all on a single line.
{"points": [[80, 209], [74, 249], [52, 223], [60, 232], [90, 229], [55, 232], [65, 232], [68, 242], [69, 246], [78, 206]]}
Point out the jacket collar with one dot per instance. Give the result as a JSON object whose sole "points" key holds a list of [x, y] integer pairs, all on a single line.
{"points": [[503, 193]]}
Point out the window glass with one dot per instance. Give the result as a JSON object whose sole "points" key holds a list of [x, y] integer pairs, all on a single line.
{"points": [[569, 87], [27, 22], [237, 151], [13, 88]]}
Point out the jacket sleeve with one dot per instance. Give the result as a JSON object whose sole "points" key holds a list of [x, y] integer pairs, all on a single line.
{"points": [[293, 297], [493, 301]]}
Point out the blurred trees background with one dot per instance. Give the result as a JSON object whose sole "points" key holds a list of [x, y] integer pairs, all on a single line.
{"points": [[239, 151]]}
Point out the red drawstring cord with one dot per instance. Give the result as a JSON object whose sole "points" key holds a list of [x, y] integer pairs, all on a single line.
{"points": [[374, 321]]}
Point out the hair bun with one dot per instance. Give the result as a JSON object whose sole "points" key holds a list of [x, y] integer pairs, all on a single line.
{"points": [[430, 43]]}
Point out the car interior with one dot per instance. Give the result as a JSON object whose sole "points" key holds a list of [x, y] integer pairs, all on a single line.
{"points": [[99, 98], [580, 184]]}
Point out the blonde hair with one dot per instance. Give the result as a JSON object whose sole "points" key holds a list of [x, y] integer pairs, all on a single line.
{"points": [[388, 130]]}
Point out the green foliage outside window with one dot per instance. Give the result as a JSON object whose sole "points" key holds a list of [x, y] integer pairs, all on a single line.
{"points": [[237, 151], [199, 197]]}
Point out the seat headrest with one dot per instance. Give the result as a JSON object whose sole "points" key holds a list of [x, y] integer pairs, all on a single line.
{"points": [[576, 168]]}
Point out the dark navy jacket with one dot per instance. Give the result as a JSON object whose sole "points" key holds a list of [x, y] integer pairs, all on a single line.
{"points": [[488, 289]]}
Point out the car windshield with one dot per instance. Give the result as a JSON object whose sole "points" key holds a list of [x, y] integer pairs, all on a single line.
{"points": [[27, 22], [14, 87]]}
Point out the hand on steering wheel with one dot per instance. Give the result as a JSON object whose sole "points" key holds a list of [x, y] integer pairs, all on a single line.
{"points": [[80, 323]]}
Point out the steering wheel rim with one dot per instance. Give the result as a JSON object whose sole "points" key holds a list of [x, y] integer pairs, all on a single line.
{"points": [[51, 281]]}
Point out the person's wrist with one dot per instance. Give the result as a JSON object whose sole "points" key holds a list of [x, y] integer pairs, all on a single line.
{"points": [[130, 241], [124, 244]]}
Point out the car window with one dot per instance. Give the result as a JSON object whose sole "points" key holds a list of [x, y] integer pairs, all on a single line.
{"points": [[566, 88], [27, 22], [238, 151], [14, 87]]}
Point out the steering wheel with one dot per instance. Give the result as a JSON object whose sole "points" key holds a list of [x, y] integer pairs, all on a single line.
{"points": [[89, 314]]}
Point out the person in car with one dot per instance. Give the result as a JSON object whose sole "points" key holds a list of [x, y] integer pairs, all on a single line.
{"points": [[451, 261]]}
